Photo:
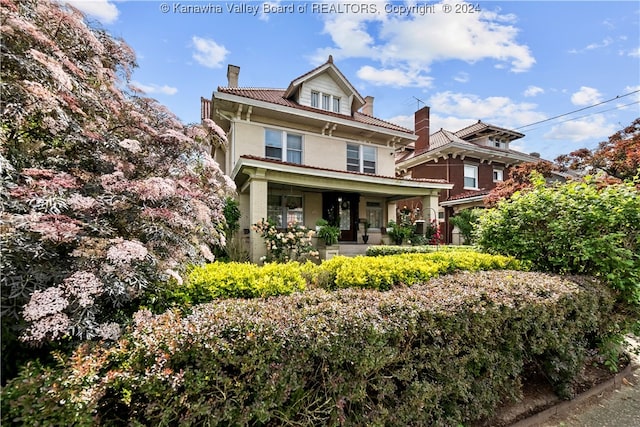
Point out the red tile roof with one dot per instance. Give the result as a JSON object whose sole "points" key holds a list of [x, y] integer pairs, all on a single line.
{"points": [[275, 96], [263, 159], [469, 194]]}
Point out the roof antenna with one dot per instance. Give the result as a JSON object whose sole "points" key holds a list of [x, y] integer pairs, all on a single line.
{"points": [[418, 102]]}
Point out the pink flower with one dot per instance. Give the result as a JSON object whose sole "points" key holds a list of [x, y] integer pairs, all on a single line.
{"points": [[125, 251], [155, 188], [57, 228], [45, 303], [84, 286], [131, 145]]}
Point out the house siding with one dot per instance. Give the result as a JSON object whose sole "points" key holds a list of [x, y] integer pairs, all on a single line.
{"points": [[324, 84]]}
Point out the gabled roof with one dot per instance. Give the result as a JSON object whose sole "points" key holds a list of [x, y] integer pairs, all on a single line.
{"points": [[334, 72], [277, 96], [481, 129]]}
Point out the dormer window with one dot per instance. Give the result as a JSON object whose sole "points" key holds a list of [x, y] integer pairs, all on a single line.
{"points": [[497, 144], [325, 101], [336, 104]]}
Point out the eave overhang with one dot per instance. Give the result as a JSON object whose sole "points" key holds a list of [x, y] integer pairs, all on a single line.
{"points": [[467, 150], [228, 104], [319, 179]]}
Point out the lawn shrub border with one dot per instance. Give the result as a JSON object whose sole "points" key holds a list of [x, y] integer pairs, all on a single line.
{"points": [[442, 353]]}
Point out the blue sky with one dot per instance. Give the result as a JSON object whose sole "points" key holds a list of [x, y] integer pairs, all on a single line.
{"points": [[510, 63]]}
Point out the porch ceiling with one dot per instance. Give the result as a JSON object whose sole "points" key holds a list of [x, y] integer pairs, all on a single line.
{"points": [[323, 180]]}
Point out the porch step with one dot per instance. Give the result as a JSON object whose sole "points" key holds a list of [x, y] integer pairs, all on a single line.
{"points": [[353, 249]]}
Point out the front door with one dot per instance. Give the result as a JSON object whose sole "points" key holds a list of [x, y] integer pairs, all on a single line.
{"points": [[341, 209]]}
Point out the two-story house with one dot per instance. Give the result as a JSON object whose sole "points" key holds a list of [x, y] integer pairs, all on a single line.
{"points": [[474, 159], [313, 150]]}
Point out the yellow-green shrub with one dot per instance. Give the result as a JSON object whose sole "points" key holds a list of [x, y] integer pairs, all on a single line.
{"points": [[242, 280], [384, 272]]}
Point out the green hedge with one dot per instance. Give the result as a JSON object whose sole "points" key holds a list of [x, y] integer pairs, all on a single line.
{"points": [[443, 353], [397, 250]]}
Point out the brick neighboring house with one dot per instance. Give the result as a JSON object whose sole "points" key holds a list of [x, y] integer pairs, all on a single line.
{"points": [[474, 159], [313, 150]]}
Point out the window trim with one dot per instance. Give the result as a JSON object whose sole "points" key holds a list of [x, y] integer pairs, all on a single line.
{"points": [[284, 145], [361, 161], [475, 177]]}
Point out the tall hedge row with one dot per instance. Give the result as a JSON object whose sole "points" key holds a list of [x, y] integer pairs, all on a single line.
{"points": [[445, 352]]}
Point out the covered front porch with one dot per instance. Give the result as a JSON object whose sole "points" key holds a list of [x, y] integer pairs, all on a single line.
{"points": [[285, 193]]}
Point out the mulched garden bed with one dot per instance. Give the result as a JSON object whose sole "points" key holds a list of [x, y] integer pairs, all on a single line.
{"points": [[539, 396]]}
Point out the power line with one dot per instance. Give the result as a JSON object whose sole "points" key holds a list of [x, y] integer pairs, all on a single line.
{"points": [[582, 117], [578, 110]]}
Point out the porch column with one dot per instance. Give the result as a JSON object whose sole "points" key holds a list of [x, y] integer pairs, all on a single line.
{"points": [[430, 207], [391, 212], [257, 211]]}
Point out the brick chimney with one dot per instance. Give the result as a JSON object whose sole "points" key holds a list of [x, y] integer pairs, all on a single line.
{"points": [[421, 126], [367, 108], [233, 71]]}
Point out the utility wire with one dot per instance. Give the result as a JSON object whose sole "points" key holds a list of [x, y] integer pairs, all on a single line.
{"points": [[577, 111], [582, 117]]}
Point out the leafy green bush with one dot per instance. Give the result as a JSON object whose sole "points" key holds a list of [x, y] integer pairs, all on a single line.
{"points": [[395, 250], [577, 228], [440, 354], [466, 221]]}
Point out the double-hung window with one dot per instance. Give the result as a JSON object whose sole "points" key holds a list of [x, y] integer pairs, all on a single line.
{"points": [[283, 146], [498, 175], [361, 158], [283, 210], [336, 104], [471, 177], [315, 99]]}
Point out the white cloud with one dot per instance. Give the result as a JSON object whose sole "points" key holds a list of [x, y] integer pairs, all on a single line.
{"points": [[208, 52], [586, 96], [462, 77], [533, 91], [102, 10], [497, 110], [413, 42], [155, 89], [593, 127], [395, 77]]}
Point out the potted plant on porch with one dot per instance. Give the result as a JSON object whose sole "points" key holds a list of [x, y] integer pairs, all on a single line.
{"points": [[328, 236]]}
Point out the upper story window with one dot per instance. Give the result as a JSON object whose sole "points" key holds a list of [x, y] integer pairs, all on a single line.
{"points": [[336, 104], [471, 177], [325, 101], [498, 175], [498, 144], [283, 146], [361, 158]]}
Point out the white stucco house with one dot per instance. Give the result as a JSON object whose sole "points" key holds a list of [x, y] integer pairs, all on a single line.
{"points": [[312, 150]]}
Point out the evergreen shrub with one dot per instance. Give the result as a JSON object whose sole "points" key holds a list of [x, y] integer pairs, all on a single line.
{"points": [[444, 353]]}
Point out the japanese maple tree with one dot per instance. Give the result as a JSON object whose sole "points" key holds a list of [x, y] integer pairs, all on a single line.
{"points": [[618, 157], [519, 179]]}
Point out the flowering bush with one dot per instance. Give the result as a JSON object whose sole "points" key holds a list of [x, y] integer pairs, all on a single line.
{"points": [[294, 243], [105, 194]]}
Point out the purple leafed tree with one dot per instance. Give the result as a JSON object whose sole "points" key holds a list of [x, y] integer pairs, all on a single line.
{"points": [[105, 194]]}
